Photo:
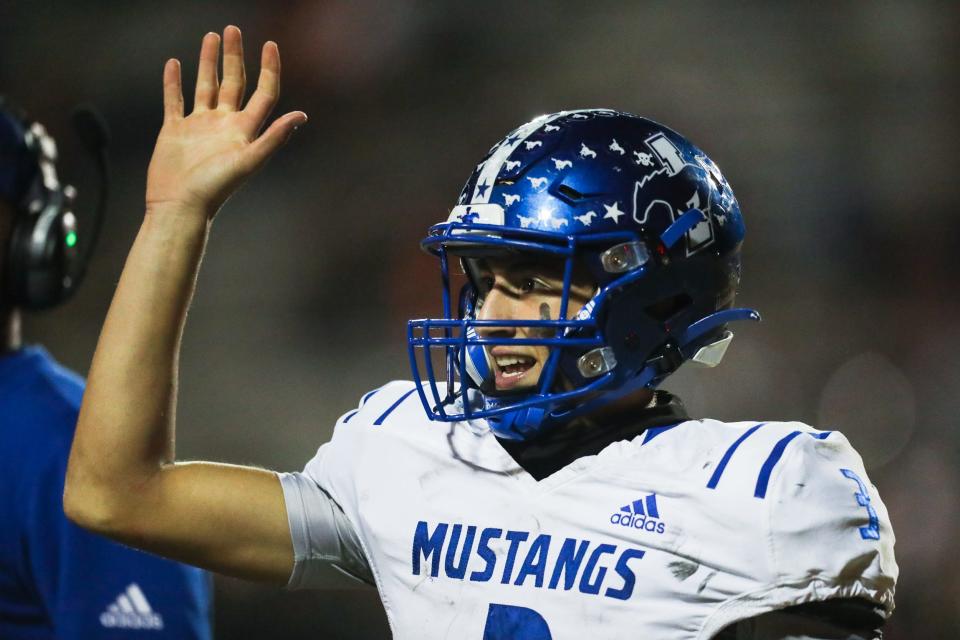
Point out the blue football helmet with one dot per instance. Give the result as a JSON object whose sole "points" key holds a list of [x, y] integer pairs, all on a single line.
{"points": [[650, 217]]}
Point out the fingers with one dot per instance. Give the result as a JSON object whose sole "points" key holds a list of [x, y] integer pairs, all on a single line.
{"points": [[274, 137], [234, 74], [268, 88], [205, 96], [172, 91]]}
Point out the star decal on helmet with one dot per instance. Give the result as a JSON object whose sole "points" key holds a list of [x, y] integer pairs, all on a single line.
{"points": [[481, 191], [607, 187], [613, 212]]}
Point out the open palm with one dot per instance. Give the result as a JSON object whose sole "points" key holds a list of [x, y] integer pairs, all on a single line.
{"points": [[200, 159]]}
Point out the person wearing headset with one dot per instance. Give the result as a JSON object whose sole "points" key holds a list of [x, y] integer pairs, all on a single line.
{"points": [[566, 495], [56, 579]]}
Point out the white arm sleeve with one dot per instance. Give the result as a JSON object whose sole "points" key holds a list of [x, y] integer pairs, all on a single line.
{"points": [[321, 534]]}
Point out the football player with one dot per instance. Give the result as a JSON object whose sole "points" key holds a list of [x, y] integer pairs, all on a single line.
{"points": [[531, 481], [56, 579]]}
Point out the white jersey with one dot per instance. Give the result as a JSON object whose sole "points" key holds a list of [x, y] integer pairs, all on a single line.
{"points": [[677, 533]]}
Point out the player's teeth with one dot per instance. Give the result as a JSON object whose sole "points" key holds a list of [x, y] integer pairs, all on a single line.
{"points": [[508, 361]]}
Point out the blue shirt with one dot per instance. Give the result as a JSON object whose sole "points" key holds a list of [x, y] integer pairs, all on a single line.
{"points": [[56, 579]]}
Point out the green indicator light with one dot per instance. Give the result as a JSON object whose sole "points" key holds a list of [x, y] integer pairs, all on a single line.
{"points": [[71, 239]]}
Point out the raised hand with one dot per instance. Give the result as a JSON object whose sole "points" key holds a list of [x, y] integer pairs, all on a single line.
{"points": [[201, 159]]}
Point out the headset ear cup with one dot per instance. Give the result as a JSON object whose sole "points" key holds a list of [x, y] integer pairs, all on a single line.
{"points": [[43, 262], [36, 271], [14, 294]]}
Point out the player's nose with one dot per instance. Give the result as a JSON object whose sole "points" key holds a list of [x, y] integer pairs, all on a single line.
{"points": [[497, 305]]}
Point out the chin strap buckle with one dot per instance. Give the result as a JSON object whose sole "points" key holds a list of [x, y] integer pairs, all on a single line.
{"points": [[711, 354]]}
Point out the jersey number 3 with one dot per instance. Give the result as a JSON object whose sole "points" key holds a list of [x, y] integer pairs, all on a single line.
{"points": [[872, 530]]}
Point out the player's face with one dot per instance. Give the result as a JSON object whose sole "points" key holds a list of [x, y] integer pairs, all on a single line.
{"points": [[522, 288]]}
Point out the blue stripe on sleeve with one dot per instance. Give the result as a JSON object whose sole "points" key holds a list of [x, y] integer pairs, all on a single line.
{"points": [[764, 478], [715, 478], [368, 395], [653, 432], [396, 404], [363, 401]]}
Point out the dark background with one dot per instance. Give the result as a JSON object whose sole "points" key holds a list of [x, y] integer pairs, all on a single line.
{"points": [[836, 124]]}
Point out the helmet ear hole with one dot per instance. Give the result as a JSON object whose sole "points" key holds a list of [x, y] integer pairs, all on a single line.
{"points": [[663, 310]]}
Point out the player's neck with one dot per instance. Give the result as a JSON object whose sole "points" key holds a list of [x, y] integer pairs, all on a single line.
{"points": [[11, 337], [617, 411]]}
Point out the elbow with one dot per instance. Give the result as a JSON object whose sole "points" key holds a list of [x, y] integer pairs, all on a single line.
{"points": [[91, 505], [104, 496], [75, 509], [87, 508]]}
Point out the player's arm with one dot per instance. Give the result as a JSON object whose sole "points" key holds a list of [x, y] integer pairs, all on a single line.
{"points": [[122, 479], [80, 576], [830, 545]]}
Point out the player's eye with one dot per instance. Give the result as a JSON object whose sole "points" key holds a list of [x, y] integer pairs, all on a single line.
{"points": [[533, 283]]}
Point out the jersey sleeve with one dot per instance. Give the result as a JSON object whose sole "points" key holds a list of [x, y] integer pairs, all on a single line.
{"points": [[322, 502], [320, 531], [829, 534], [93, 588]]}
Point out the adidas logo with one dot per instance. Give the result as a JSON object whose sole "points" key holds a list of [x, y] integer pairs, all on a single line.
{"points": [[131, 611], [642, 513]]}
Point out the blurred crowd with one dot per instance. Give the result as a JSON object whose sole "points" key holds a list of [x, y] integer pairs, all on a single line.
{"points": [[835, 123]]}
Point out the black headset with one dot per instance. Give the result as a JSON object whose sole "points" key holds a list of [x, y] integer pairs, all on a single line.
{"points": [[44, 259]]}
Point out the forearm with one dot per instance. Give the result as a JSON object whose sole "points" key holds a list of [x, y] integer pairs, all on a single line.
{"points": [[121, 479], [125, 433]]}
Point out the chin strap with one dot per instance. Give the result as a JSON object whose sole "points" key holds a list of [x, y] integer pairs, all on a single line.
{"points": [[478, 362], [528, 422]]}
